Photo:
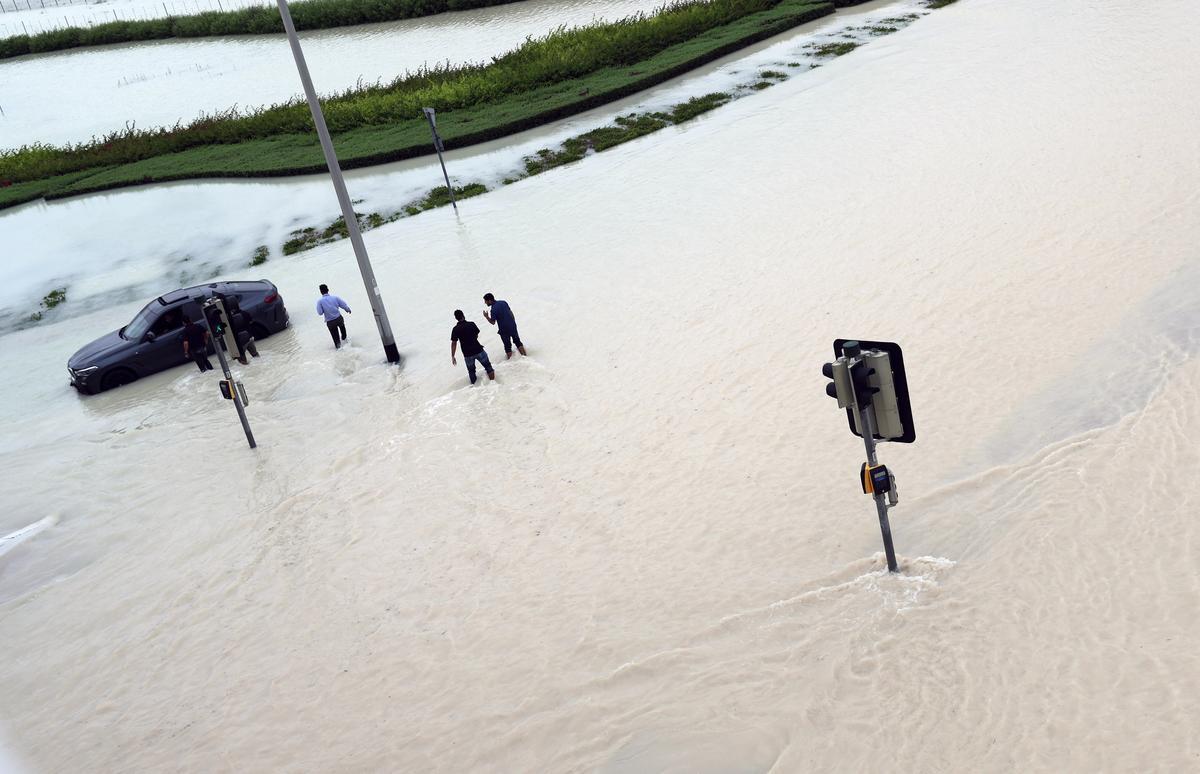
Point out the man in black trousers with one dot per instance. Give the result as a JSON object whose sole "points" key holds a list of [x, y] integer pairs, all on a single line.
{"points": [[329, 306], [195, 344]]}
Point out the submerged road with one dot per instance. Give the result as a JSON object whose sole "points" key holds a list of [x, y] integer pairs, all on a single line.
{"points": [[643, 547]]}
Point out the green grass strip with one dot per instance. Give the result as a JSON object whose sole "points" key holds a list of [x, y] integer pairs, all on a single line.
{"points": [[307, 15], [299, 153]]}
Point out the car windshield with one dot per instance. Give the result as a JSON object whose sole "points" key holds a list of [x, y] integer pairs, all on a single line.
{"points": [[141, 323]]}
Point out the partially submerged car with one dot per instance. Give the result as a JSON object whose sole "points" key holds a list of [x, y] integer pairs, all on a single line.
{"points": [[153, 340]]}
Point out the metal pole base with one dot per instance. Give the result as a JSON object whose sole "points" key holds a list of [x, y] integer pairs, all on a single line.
{"points": [[886, 529], [393, 354]]}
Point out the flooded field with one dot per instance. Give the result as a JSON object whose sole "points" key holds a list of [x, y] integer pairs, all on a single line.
{"points": [[162, 82], [30, 17], [643, 548]]}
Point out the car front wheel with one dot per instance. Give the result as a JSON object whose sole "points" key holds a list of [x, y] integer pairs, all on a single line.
{"points": [[116, 378]]}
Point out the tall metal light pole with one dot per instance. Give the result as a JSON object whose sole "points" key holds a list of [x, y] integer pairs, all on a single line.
{"points": [[339, 185]]}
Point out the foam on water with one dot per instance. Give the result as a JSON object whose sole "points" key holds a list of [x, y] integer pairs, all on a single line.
{"points": [[14, 539]]}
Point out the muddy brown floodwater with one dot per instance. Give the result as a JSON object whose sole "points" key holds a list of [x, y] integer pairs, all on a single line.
{"points": [[643, 547]]}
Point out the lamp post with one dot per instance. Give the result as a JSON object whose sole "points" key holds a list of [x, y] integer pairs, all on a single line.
{"points": [[339, 185]]}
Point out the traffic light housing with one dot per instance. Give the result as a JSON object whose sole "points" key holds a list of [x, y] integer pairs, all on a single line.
{"points": [[218, 320], [871, 374]]}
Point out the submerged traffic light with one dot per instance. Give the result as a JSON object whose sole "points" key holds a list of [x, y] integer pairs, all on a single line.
{"points": [[868, 381], [870, 374]]}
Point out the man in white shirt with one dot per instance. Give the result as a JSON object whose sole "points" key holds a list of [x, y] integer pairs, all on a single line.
{"points": [[330, 307]]}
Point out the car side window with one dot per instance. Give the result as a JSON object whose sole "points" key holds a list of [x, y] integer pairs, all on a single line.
{"points": [[171, 320]]}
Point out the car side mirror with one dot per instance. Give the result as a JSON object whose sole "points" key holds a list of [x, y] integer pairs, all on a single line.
{"points": [[150, 336]]}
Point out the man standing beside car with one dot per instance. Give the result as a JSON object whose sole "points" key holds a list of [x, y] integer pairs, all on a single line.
{"points": [[329, 306], [195, 344]]}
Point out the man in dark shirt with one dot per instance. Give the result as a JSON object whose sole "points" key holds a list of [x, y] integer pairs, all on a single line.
{"points": [[502, 317], [239, 321], [467, 334], [195, 344]]}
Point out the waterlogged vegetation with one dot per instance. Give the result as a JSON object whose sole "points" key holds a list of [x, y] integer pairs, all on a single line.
{"points": [[310, 237], [261, 254], [624, 128], [306, 14], [54, 298], [547, 78], [837, 48]]}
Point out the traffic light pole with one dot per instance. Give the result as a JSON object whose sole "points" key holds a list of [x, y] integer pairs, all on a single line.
{"points": [[867, 423], [339, 185], [868, 380], [237, 398]]}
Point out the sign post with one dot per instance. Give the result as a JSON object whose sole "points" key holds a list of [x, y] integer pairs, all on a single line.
{"points": [[869, 381], [430, 113]]}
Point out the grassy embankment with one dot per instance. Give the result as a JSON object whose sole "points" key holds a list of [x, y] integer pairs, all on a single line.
{"points": [[566, 72], [306, 14]]}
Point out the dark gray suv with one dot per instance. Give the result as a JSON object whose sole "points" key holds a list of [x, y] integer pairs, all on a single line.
{"points": [[153, 340]]}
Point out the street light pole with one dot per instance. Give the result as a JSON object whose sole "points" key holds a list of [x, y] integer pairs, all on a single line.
{"points": [[339, 185]]}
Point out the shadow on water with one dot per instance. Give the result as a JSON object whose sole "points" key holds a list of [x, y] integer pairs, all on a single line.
{"points": [[1111, 379]]}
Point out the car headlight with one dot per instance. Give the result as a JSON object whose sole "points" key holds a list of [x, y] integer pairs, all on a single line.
{"points": [[83, 373]]}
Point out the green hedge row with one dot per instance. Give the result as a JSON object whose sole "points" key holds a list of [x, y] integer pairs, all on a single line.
{"points": [[307, 15]]}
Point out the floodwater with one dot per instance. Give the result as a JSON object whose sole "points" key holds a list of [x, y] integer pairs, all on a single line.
{"points": [[29, 17], [160, 83], [643, 547]]}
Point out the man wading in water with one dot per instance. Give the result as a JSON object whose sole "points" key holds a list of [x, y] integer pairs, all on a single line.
{"points": [[195, 344], [467, 333], [328, 306], [502, 318]]}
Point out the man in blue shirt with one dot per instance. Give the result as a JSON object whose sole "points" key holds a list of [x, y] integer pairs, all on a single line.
{"points": [[502, 317], [329, 306]]}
